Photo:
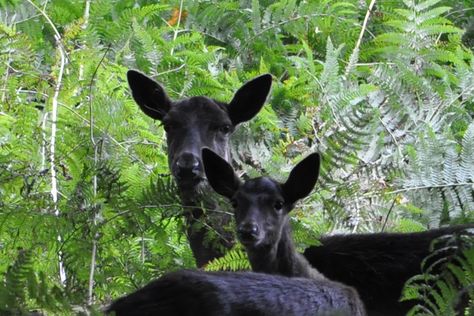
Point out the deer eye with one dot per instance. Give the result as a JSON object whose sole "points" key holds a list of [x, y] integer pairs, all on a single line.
{"points": [[169, 126], [225, 129], [278, 205]]}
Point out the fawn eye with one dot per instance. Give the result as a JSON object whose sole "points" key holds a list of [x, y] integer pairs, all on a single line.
{"points": [[278, 205], [225, 129]]}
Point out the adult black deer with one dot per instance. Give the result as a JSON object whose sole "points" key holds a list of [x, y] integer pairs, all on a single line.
{"points": [[377, 265], [188, 293], [190, 125]]}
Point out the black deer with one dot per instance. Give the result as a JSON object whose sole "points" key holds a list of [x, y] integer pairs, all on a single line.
{"points": [[188, 293], [190, 125], [377, 265]]}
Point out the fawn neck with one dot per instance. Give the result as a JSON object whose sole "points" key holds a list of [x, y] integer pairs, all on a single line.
{"points": [[282, 258]]}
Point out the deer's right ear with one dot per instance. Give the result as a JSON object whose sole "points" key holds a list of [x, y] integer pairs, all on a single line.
{"points": [[219, 174], [302, 179], [149, 95], [249, 99]]}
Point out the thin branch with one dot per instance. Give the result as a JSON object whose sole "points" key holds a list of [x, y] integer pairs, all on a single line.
{"points": [[5, 81], [393, 137], [94, 182], [52, 157], [170, 70], [56, 32], [175, 35], [430, 187], [388, 214], [424, 187], [355, 52]]}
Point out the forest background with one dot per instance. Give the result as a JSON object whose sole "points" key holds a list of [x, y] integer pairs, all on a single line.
{"points": [[88, 211]]}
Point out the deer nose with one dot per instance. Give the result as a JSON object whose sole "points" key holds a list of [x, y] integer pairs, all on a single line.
{"points": [[188, 166], [247, 231]]}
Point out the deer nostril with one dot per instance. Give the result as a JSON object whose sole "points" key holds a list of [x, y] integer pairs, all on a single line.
{"points": [[188, 166], [247, 231], [187, 161]]}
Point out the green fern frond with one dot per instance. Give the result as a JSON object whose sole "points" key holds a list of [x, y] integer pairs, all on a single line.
{"points": [[234, 260]]}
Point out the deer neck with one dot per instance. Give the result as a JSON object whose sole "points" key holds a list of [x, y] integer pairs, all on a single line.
{"points": [[278, 258], [282, 258]]}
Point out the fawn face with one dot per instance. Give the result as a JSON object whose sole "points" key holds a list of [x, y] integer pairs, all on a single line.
{"points": [[261, 205]]}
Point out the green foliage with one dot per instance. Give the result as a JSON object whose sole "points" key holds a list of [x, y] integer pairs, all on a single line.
{"points": [[22, 284], [234, 260], [393, 119], [445, 287]]}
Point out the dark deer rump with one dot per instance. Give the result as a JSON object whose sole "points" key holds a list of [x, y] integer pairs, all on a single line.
{"points": [[377, 265], [187, 293]]}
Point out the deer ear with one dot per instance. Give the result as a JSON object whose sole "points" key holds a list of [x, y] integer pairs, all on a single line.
{"points": [[219, 173], [149, 95], [302, 179], [249, 99]]}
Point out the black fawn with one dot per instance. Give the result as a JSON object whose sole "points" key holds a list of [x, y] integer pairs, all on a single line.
{"points": [[377, 265], [188, 293], [190, 125]]}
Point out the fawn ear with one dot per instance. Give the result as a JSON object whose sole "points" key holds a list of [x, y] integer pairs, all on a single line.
{"points": [[302, 179], [249, 99], [149, 95], [219, 173]]}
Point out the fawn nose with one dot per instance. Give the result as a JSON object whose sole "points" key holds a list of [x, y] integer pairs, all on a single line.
{"points": [[188, 166], [247, 231]]}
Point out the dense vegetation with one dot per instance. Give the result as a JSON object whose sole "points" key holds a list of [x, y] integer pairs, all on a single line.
{"points": [[87, 208]]}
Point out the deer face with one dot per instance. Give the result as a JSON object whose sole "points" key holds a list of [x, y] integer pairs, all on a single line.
{"points": [[260, 212], [261, 205], [197, 122]]}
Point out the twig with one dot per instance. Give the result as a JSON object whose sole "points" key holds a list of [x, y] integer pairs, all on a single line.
{"points": [[7, 73], [57, 35], [393, 137], [355, 52], [175, 35], [94, 182], [170, 70], [54, 180], [431, 187], [54, 116], [388, 214]]}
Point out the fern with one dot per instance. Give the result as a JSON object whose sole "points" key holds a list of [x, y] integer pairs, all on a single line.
{"points": [[234, 260], [444, 176], [21, 284], [445, 287]]}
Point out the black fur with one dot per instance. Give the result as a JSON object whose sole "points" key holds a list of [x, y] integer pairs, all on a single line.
{"points": [[188, 293], [261, 208], [190, 125], [377, 265]]}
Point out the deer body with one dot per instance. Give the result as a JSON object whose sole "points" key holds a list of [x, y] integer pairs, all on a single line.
{"points": [[261, 208], [188, 293], [377, 265]]}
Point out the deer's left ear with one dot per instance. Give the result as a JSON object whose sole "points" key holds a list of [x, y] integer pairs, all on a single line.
{"points": [[249, 99], [302, 179], [219, 174]]}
